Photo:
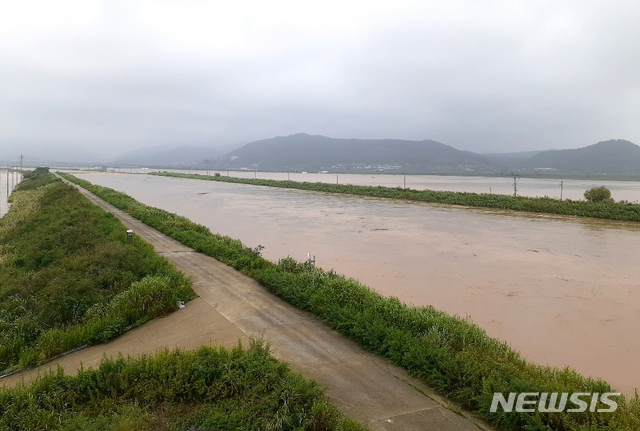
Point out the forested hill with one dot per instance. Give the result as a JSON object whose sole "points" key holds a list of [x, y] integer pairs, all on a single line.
{"points": [[307, 152], [615, 156]]}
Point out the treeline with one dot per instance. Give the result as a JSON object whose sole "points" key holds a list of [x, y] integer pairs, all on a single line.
{"points": [[623, 211], [452, 355], [68, 276], [210, 389]]}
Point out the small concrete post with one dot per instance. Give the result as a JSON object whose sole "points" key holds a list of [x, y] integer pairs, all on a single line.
{"points": [[312, 262]]}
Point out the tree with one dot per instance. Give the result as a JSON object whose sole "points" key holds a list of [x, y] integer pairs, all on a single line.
{"points": [[598, 194]]}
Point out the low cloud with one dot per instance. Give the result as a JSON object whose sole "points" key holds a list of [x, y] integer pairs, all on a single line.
{"points": [[110, 77]]}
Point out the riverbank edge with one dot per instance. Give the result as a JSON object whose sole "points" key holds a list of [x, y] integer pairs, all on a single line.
{"points": [[452, 355], [619, 211], [110, 319]]}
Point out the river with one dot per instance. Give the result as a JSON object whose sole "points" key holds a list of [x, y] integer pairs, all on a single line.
{"points": [[561, 290], [531, 187]]}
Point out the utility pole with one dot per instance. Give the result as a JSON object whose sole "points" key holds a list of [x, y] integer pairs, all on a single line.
{"points": [[404, 181], [337, 178], [21, 160], [515, 185], [561, 187]]}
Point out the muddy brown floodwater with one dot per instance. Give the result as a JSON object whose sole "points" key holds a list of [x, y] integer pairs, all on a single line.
{"points": [[563, 291], [531, 187]]}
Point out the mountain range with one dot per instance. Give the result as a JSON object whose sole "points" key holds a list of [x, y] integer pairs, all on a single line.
{"points": [[307, 152], [177, 157], [303, 152], [616, 156]]}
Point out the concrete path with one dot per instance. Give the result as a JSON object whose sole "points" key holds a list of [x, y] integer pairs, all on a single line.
{"points": [[233, 306]]}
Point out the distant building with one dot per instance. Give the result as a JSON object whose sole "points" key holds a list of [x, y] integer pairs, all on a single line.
{"points": [[101, 168]]}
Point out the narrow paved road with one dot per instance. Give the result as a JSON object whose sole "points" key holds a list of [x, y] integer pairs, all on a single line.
{"points": [[363, 386]]}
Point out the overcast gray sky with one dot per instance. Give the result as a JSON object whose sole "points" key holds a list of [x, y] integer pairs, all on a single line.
{"points": [[510, 75]]}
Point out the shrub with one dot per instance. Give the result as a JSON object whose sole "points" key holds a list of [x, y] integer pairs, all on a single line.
{"points": [[212, 389], [598, 194]]}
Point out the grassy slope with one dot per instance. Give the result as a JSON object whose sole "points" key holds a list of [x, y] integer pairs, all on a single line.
{"points": [[452, 355], [612, 211], [69, 278], [211, 389]]}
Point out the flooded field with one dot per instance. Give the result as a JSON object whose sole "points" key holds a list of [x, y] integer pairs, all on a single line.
{"points": [[532, 187], [563, 291], [8, 180], [571, 189]]}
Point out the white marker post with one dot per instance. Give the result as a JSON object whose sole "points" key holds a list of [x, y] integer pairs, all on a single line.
{"points": [[312, 262]]}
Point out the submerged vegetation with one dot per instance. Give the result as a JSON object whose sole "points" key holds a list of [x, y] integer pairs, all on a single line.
{"points": [[603, 209], [68, 276], [210, 389], [452, 355]]}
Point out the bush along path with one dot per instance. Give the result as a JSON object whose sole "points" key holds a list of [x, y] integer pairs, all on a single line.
{"points": [[209, 389], [606, 209], [450, 354], [70, 278]]}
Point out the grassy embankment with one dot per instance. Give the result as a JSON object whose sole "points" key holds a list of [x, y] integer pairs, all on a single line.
{"points": [[452, 355], [621, 211], [69, 278], [210, 389]]}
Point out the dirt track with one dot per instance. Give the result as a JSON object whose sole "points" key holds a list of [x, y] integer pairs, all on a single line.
{"points": [[233, 306]]}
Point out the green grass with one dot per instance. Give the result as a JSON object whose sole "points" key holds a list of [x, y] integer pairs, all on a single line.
{"points": [[622, 211], [450, 354], [68, 277], [210, 389]]}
